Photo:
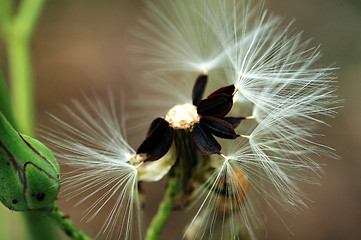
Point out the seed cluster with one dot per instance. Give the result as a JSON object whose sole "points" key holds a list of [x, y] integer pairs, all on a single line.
{"points": [[204, 118]]}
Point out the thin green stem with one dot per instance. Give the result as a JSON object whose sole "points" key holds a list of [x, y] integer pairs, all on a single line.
{"points": [[187, 156], [156, 227], [66, 225]]}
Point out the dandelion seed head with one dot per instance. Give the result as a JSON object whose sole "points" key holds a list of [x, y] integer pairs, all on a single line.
{"points": [[280, 93], [270, 99]]}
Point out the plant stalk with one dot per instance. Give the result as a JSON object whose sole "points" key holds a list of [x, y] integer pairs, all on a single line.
{"points": [[22, 96], [156, 227], [66, 225], [179, 176], [17, 29]]}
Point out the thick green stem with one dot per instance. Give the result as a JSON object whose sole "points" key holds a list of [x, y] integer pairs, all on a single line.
{"points": [[66, 225], [38, 228], [6, 11], [17, 29], [22, 100], [156, 227], [28, 14], [21, 82], [5, 107], [8, 220]]}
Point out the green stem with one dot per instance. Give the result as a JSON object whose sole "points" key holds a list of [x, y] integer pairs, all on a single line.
{"points": [[174, 186], [17, 29], [187, 157], [22, 99], [5, 108], [66, 225], [8, 220], [28, 15], [38, 228], [6, 11], [22, 83]]}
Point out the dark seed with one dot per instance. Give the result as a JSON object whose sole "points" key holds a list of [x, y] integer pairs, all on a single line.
{"points": [[228, 90], [69, 233], [15, 201], [40, 196], [234, 121], [198, 89], [155, 131], [217, 105], [154, 125], [158, 141], [204, 141], [218, 127]]}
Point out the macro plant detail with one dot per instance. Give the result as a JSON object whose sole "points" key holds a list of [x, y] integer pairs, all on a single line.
{"points": [[250, 142], [30, 175]]}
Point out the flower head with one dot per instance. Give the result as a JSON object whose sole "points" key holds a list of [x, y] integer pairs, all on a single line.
{"points": [[274, 83], [204, 118]]}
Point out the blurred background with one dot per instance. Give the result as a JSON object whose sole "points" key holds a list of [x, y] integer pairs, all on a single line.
{"points": [[82, 46]]}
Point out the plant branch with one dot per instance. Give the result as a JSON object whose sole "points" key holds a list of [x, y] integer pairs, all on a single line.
{"points": [[66, 225]]}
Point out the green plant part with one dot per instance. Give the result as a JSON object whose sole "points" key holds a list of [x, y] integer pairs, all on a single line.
{"points": [[29, 173]]}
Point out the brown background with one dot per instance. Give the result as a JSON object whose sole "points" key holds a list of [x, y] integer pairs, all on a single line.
{"points": [[81, 45]]}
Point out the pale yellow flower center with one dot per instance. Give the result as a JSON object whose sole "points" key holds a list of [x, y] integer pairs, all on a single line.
{"points": [[182, 116]]}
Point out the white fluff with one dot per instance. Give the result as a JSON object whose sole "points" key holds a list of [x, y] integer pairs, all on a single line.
{"points": [[93, 144]]}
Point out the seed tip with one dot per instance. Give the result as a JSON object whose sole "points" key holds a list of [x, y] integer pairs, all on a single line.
{"points": [[245, 136], [205, 69], [225, 157], [253, 117]]}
